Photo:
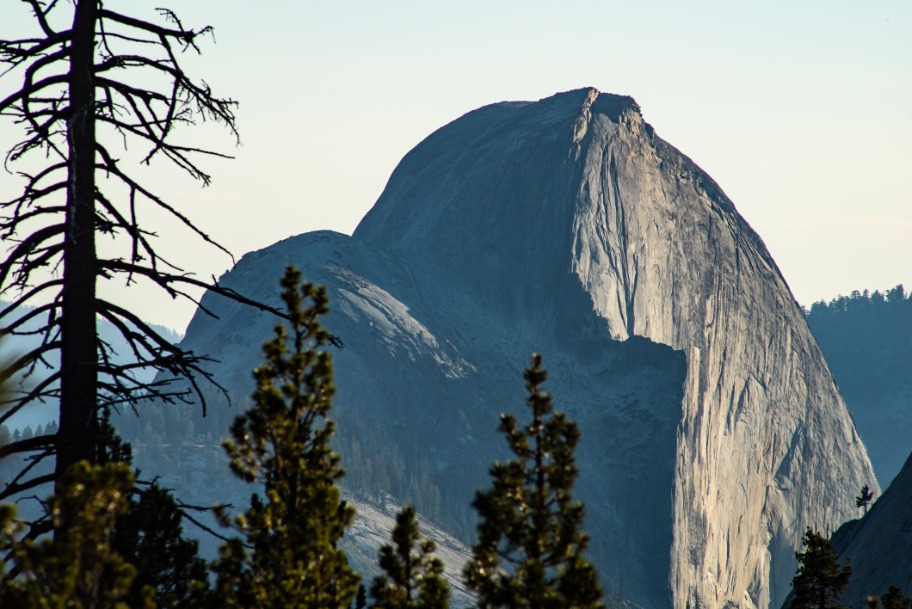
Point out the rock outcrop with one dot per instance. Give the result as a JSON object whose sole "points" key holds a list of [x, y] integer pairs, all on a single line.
{"points": [[713, 432], [878, 546]]}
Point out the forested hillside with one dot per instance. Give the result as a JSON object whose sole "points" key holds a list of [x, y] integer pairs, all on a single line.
{"points": [[866, 339]]}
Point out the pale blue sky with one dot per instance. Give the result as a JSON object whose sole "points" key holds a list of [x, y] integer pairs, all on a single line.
{"points": [[801, 111]]}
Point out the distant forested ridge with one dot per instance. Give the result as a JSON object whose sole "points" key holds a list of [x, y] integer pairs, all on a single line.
{"points": [[866, 339]]}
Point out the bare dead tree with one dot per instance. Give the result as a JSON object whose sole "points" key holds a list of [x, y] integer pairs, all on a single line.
{"points": [[83, 94]]}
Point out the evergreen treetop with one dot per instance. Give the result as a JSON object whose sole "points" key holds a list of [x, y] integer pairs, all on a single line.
{"points": [[413, 576], [895, 599], [530, 548], [864, 498], [288, 557], [820, 580]]}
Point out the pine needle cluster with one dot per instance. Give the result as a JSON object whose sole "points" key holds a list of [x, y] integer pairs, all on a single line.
{"points": [[77, 568]]}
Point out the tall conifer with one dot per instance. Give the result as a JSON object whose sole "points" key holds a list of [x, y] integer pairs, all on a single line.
{"points": [[288, 557], [530, 545], [820, 580]]}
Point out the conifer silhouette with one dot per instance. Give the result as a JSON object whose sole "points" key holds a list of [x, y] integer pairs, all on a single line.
{"points": [[413, 576], [530, 544], [820, 580], [288, 555]]}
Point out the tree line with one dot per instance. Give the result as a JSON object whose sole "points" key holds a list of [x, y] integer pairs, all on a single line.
{"points": [[866, 339], [876, 325], [120, 544]]}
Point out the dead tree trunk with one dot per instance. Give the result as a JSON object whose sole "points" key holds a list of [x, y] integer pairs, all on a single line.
{"points": [[79, 341], [84, 94]]}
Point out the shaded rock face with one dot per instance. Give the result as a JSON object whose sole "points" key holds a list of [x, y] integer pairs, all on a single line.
{"points": [[878, 546], [712, 430]]}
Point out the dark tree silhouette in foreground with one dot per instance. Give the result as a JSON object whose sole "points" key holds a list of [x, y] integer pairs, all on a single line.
{"points": [[895, 599], [149, 536], [820, 580], [77, 567], [83, 94], [288, 554], [530, 545], [412, 576], [864, 498]]}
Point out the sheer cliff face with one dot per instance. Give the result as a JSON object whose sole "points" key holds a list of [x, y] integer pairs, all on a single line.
{"points": [[765, 445], [712, 430], [763, 431]]}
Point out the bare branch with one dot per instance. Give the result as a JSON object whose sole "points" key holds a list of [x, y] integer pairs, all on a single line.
{"points": [[111, 166], [52, 283], [181, 34], [33, 444], [41, 16], [24, 318], [164, 279], [14, 487], [28, 245], [38, 392], [25, 92]]}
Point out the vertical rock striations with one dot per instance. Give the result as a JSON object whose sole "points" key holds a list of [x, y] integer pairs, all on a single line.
{"points": [[713, 433], [580, 182]]}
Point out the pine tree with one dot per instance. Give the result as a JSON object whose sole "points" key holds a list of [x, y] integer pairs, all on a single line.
{"points": [[77, 568], [530, 548], [820, 580], [895, 599], [288, 557], [149, 535], [413, 577], [864, 498]]}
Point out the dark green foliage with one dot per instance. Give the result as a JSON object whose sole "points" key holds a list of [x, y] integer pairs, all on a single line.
{"points": [[864, 335], [864, 498], [288, 556], [150, 536], [360, 598], [895, 599], [413, 577], [530, 547], [820, 580], [78, 568]]}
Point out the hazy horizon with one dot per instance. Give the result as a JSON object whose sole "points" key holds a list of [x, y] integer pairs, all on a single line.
{"points": [[802, 114]]}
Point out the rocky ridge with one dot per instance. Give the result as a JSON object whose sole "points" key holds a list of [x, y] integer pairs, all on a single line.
{"points": [[566, 226], [879, 544]]}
